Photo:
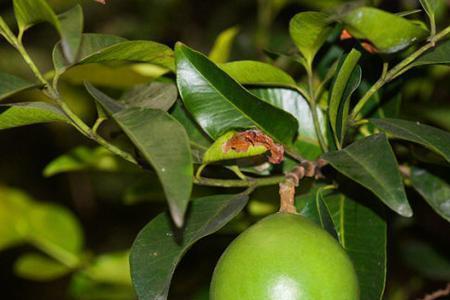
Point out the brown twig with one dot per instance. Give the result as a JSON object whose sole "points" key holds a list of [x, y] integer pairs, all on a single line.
{"points": [[293, 178], [438, 294]]}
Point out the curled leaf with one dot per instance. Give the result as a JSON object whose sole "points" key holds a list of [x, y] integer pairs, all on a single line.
{"points": [[234, 145], [242, 141]]}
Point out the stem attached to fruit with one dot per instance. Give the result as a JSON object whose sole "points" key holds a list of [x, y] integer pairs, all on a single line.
{"points": [[287, 187]]}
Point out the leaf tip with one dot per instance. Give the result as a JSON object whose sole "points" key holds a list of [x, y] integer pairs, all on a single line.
{"points": [[179, 45], [177, 217], [405, 210]]}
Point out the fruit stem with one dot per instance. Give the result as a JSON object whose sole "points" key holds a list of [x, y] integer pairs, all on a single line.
{"points": [[287, 196], [287, 187]]}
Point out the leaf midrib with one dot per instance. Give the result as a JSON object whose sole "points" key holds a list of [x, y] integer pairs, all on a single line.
{"points": [[423, 140], [228, 101], [369, 172]]}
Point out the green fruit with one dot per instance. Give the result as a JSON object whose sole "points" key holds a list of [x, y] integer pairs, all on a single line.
{"points": [[284, 257]]}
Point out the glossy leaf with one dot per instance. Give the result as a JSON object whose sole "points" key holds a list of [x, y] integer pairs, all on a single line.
{"points": [[39, 268], [199, 140], [387, 32], [363, 235], [217, 153], [164, 144], [27, 113], [371, 163], [83, 158], [257, 73], [219, 104], [155, 95], [220, 52], [309, 30], [432, 138], [158, 248], [433, 189], [10, 84], [291, 101], [316, 210], [346, 82], [440, 54]]}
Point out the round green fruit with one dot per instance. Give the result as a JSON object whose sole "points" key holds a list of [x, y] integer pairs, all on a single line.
{"points": [[284, 257]]}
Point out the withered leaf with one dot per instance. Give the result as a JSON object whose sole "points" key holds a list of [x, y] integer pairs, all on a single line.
{"points": [[241, 141]]}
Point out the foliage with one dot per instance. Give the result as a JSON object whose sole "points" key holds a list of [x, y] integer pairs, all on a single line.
{"points": [[174, 126]]}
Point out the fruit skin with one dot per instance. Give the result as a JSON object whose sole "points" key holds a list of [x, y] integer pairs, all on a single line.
{"points": [[284, 257]]}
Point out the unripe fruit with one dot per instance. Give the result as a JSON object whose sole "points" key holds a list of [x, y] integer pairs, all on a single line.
{"points": [[284, 257]]}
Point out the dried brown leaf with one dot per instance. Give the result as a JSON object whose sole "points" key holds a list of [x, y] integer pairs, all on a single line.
{"points": [[241, 141]]}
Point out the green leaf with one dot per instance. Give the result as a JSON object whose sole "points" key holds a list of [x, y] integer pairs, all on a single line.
{"points": [[388, 32], [10, 85], [220, 53], [164, 144], [54, 229], [345, 83], [39, 268], [32, 12], [90, 44], [83, 287], [371, 163], [83, 158], [309, 30], [112, 268], [6, 32], [14, 206], [440, 54], [100, 48], [51, 228], [307, 143], [219, 104], [69, 25], [134, 51], [158, 249], [217, 153], [199, 141], [433, 189], [316, 210], [257, 73], [430, 7], [363, 235], [432, 138], [27, 113], [155, 95]]}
